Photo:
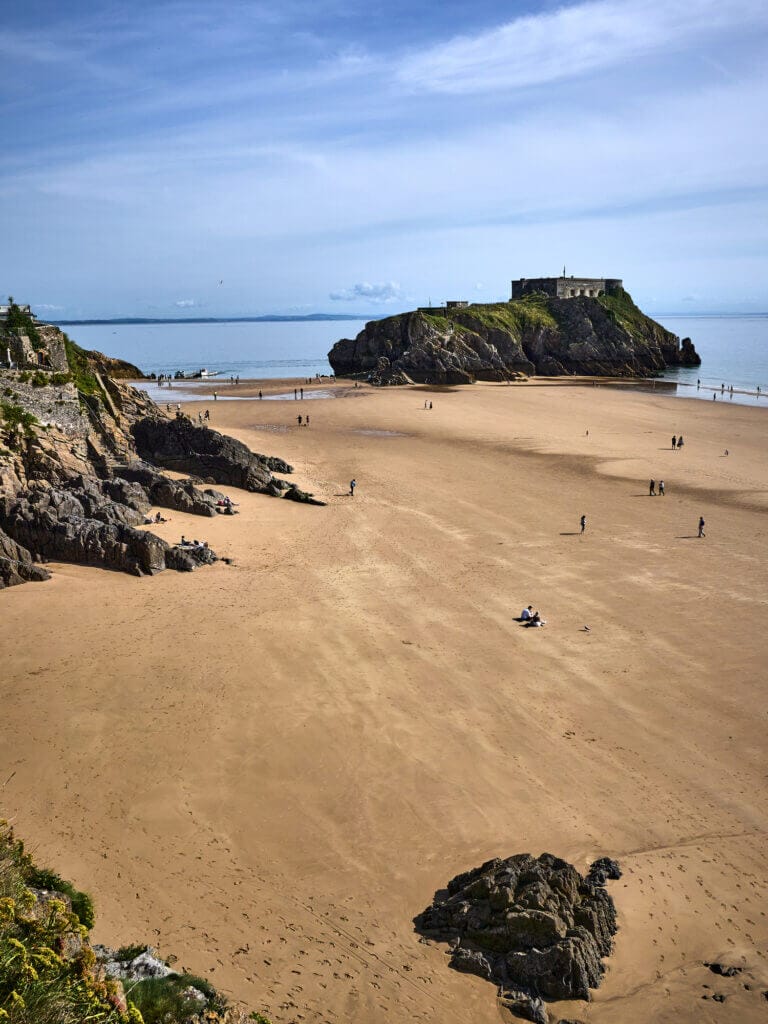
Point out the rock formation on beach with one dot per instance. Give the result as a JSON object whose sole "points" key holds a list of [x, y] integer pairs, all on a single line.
{"points": [[79, 470], [532, 925], [605, 336]]}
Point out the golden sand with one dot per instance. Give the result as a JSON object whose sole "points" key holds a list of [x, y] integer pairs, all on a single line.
{"points": [[268, 768]]}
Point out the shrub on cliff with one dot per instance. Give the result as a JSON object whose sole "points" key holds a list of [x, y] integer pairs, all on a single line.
{"points": [[19, 323], [46, 967], [49, 973], [15, 422]]}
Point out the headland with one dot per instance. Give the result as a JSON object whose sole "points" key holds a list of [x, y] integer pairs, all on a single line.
{"points": [[550, 327]]}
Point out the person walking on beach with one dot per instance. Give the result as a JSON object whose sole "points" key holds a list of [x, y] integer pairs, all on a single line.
{"points": [[298, 420], [583, 523], [352, 486], [680, 442], [698, 383], [306, 421], [661, 488], [260, 394], [302, 393], [295, 395], [674, 442], [215, 396], [652, 490], [702, 524]]}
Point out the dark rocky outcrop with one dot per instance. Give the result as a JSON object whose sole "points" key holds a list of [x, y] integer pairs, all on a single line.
{"points": [[607, 336], [180, 445], [180, 495], [532, 925], [54, 523], [17, 565]]}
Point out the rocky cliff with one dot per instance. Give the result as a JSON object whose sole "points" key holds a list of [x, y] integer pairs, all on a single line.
{"points": [[80, 458], [606, 336]]}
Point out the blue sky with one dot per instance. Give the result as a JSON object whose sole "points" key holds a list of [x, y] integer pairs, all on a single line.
{"points": [[186, 157]]}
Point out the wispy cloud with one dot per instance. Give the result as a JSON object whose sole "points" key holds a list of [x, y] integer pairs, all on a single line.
{"points": [[571, 41], [185, 303], [388, 291]]}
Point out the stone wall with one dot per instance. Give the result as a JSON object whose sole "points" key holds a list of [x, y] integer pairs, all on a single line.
{"points": [[564, 287], [56, 405]]}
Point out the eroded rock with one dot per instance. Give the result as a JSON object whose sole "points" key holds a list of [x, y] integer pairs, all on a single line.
{"points": [[532, 925]]}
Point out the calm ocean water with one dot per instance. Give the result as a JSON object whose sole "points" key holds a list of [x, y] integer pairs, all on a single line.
{"points": [[733, 349]]}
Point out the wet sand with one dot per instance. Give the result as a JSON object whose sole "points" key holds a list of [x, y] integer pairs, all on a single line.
{"points": [[268, 768]]}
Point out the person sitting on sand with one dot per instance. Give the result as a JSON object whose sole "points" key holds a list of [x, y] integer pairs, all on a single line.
{"points": [[526, 613], [536, 620], [183, 541]]}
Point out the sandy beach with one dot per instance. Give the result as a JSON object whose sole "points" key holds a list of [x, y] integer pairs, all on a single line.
{"points": [[267, 768]]}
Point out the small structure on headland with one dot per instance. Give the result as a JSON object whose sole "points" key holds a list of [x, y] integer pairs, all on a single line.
{"points": [[566, 287], [450, 304], [27, 343]]}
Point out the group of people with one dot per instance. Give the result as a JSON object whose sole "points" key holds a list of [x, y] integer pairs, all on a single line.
{"points": [[677, 442], [226, 506], [427, 405], [304, 420], [652, 490], [184, 543]]}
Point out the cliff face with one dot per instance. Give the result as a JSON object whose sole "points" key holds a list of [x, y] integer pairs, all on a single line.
{"points": [[606, 336], [79, 472]]}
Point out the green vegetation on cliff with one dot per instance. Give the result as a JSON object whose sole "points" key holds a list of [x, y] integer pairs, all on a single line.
{"points": [[18, 322], [83, 376], [49, 973], [621, 308], [515, 317], [46, 968], [15, 421]]}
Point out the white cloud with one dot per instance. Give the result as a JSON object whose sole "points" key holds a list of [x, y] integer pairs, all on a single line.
{"points": [[571, 41], [185, 303], [388, 291]]}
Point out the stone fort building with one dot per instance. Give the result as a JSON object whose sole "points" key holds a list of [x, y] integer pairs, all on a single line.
{"points": [[565, 287]]}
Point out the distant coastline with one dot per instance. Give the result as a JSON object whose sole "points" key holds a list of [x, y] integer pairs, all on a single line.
{"points": [[270, 318]]}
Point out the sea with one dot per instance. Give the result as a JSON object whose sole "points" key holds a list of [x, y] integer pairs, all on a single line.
{"points": [[733, 350]]}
